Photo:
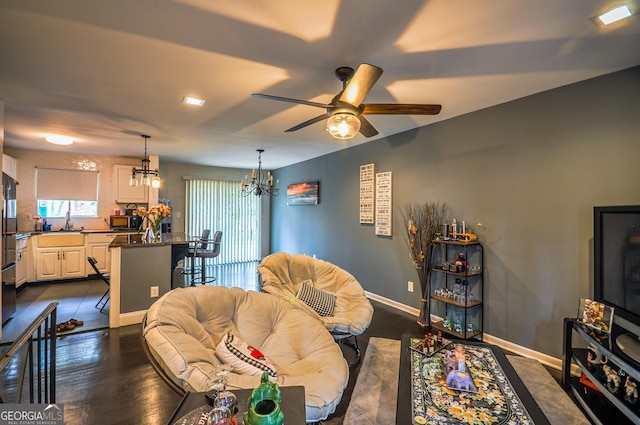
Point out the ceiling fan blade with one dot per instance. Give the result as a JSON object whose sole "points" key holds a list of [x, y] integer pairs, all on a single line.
{"points": [[308, 122], [290, 100], [400, 109], [366, 129], [362, 81]]}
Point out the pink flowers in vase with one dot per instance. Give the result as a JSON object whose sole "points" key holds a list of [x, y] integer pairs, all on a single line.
{"points": [[154, 216]]}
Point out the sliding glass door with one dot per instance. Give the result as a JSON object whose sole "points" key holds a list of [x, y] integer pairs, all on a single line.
{"points": [[218, 205]]}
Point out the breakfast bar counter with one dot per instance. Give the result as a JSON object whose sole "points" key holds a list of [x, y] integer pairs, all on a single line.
{"points": [[134, 240], [140, 273]]}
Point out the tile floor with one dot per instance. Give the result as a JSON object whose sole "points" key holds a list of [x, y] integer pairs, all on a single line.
{"points": [[77, 299]]}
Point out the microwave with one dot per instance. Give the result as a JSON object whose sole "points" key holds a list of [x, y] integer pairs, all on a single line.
{"points": [[125, 222]]}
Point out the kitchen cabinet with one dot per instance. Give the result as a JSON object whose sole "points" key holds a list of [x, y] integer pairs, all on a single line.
{"points": [[457, 288], [10, 166], [98, 247], [61, 263], [124, 192], [22, 261]]}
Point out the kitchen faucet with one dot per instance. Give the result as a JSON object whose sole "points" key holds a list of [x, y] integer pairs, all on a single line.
{"points": [[68, 225]]}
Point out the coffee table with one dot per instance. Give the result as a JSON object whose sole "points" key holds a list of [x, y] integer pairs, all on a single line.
{"points": [[193, 405], [501, 397]]}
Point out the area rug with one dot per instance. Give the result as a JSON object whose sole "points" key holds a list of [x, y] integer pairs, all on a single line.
{"points": [[374, 397]]}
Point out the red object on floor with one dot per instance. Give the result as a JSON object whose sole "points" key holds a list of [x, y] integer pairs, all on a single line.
{"points": [[586, 382]]}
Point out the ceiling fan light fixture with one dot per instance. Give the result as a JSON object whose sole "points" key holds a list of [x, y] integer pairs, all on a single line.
{"points": [[343, 125], [614, 15]]}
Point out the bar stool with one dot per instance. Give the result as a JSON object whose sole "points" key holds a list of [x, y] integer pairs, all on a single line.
{"points": [[201, 250], [191, 254]]}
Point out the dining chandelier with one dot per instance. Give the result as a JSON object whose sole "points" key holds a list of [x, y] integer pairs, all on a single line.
{"points": [[144, 175], [261, 183]]}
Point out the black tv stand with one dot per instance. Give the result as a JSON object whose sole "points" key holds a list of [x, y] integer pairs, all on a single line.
{"points": [[629, 345], [604, 400]]}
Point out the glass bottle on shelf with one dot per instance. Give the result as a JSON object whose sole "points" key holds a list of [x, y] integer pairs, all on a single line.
{"points": [[461, 263]]}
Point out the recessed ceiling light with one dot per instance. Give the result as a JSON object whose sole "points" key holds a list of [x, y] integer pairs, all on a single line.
{"points": [[614, 15], [193, 101], [58, 139]]}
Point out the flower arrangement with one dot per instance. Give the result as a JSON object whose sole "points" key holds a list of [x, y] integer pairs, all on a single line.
{"points": [[423, 222], [154, 216]]}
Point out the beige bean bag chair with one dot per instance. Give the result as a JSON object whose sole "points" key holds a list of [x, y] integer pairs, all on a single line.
{"points": [[185, 327], [321, 289]]}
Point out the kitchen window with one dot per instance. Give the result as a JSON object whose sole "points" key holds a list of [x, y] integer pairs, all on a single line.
{"points": [[58, 208], [60, 190]]}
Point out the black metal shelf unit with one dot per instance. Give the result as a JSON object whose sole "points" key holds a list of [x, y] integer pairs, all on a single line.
{"points": [[600, 389], [456, 295]]}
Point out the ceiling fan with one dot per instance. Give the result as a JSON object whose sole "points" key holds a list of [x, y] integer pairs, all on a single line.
{"points": [[346, 111]]}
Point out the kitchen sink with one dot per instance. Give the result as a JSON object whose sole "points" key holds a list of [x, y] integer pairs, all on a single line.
{"points": [[60, 239]]}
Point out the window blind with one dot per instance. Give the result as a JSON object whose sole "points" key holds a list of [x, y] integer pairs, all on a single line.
{"points": [[218, 205], [59, 184]]}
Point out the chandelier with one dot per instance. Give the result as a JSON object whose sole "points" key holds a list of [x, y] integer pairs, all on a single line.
{"points": [[261, 182], [144, 175]]}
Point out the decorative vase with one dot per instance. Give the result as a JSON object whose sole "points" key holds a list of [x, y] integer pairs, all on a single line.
{"points": [[264, 404], [424, 276], [148, 236]]}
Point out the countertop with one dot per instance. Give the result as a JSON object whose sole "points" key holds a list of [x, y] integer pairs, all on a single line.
{"points": [[134, 240], [83, 231]]}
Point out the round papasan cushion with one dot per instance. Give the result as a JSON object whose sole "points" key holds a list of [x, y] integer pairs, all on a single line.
{"points": [[184, 326]]}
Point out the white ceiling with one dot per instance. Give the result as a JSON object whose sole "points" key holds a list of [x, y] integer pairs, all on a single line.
{"points": [[104, 72]]}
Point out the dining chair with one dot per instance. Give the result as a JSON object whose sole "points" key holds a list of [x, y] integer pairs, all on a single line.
{"points": [[105, 278]]}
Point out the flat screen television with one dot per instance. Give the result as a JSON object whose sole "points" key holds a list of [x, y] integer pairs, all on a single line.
{"points": [[616, 248]]}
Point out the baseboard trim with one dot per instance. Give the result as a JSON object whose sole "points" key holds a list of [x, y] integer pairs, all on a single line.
{"points": [[524, 351], [391, 303], [132, 318], [545, 359]]}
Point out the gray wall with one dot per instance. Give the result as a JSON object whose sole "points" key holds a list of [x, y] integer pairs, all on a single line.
{"points": [[530, 171]]}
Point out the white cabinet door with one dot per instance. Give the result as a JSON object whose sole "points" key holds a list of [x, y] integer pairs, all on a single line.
{"points": [[73, 262], [60, 263], [103, 260], [126, 193], [10, 166], [22, 261], [98, 248], [48, 263]]}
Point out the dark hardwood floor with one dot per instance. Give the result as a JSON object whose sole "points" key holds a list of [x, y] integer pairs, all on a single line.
{"points": [[104, 376]]}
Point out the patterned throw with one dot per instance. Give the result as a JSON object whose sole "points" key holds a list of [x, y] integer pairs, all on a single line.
{"points": [[374, 397], [495, 402]]}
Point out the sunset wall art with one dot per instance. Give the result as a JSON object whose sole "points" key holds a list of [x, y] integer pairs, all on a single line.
{"points": [[307, 193]]}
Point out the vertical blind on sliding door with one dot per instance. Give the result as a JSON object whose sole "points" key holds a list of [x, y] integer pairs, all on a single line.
{"points": [[218, 205]]}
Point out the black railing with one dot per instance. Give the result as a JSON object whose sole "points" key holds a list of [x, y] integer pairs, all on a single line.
{"points": [[35, 354]]}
